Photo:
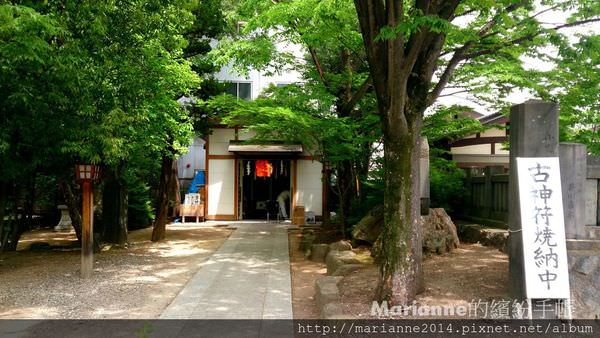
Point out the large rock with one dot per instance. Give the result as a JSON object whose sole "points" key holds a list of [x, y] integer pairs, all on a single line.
{"points": [[318, 252], [335, 259], [439, 232], [370, 226], [475, 233], [471, 233], [340, 246]]}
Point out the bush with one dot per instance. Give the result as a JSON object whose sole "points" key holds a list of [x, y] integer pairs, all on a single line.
{"points": [[139, 208], [447, 188]]}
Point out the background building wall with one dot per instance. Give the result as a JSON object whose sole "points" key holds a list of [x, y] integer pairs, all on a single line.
{"points": [[221, 174], [221, 187], [192, 161], [309, 186]]}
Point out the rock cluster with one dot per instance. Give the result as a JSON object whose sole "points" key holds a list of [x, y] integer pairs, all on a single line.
{"points": [[439, 232]]}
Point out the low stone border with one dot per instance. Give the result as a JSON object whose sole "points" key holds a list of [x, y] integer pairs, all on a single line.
{"points": [[328, 297], [336, 259], [340, 261]]}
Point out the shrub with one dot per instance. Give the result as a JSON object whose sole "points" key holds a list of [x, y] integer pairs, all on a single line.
{"points": [[447, 188]]}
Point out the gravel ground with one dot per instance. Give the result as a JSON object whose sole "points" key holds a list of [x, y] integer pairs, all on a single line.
{"points": [[137, 282]]}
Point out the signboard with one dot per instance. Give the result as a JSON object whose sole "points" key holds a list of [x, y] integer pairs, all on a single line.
{"points": [[543, 228]]}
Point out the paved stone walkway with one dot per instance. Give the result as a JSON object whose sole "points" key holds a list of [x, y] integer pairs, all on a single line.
{"points": [[247, 278]]}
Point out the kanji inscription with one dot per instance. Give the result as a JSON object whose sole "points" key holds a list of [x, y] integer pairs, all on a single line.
{"points": [[543, 229]]}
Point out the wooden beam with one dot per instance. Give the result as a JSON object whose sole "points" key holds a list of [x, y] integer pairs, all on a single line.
{"points": [[479, 140]]}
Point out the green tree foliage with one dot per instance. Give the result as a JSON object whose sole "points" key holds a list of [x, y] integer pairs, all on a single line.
{"points": [[449, 124], [327, 52], [84, 81], [576, 86], [36, 84], [416, 49], [291, 115], [446, 125]]}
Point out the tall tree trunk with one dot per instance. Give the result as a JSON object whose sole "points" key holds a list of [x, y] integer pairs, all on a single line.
{"points": [[174, 189], [29, 202], [17, 224], [362, 170], [401, 68], [3, 201], [401, 273], [162, 208], [346, 191], [114, 212]]}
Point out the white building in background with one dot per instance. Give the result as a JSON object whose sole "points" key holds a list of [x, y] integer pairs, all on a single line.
{"points": [[243, 180], [486, 148]]}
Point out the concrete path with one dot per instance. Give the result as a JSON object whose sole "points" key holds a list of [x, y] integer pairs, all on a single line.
{"points": [[247, 278]]}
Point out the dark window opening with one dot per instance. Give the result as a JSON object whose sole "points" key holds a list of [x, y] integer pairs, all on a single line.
{"points": [[241, 90]]}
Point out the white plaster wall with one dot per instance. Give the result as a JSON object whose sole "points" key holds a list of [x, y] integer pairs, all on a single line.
{"points": [[261, 79], [218, 141], [494, 132], [491, 159], [309, 189], [195, 157], [500, 149], [591, 201], [474, 149], [221, 187]]}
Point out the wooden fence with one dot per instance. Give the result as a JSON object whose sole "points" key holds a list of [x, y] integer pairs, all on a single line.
{"points": [[486, 195], [486, 198]]}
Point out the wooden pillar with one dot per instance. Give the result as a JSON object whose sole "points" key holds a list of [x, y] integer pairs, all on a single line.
{"points": [[87, 231]]}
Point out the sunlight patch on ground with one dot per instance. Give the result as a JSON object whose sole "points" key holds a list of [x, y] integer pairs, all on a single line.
{"points": [[168, 273], [178, 250], [37, 312]]}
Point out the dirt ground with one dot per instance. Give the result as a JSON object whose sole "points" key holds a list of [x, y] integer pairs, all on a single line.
{"points": [[470, 272], [42, 280], [304, 274]]}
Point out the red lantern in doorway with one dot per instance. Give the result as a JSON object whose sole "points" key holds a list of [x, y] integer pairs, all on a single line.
{"points": [[264, 168]]}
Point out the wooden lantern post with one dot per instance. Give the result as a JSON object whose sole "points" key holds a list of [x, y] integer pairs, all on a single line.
{"points": [[86, 174]]}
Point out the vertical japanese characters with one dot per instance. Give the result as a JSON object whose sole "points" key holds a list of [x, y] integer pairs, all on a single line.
{"points": [[545, 257]]}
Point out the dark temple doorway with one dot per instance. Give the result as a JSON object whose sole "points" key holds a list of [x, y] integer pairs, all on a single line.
{"points": [[262, 182]]}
